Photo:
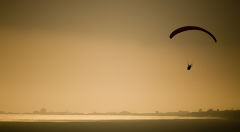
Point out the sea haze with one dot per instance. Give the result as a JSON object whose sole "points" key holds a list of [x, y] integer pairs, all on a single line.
{"points": [[86, 118]]}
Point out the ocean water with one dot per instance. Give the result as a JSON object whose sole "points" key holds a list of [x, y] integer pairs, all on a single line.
{"points": [[85, 118]]}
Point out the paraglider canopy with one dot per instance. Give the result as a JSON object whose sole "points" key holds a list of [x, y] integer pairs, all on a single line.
{"points": [[186, 28]]}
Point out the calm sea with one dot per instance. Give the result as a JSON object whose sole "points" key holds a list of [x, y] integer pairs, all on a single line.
{"points": [[85, 118]]}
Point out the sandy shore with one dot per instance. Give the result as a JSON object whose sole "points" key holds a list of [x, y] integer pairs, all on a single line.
{"points": [[125, 126]]}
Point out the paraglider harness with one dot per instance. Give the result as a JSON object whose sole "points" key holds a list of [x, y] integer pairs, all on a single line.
{"points": [[189, 66]]}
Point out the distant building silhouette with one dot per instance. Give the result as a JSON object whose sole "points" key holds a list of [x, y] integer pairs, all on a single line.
{"points": [[210, 110], [43, 110], [124, 113]]}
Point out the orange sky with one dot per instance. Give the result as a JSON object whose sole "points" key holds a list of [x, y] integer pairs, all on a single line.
{"points": [[105, 56]]}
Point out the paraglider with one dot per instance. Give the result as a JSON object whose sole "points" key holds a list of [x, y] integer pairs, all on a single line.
{"points": [[187, 28]]}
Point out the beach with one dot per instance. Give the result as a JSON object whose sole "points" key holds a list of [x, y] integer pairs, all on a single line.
{"points": [[178, 125]]}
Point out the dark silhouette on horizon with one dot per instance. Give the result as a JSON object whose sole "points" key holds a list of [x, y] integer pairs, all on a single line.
{"points": [[226, 114]]}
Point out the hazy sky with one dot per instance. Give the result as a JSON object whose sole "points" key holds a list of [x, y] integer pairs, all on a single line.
{"points": [[112, 55]]}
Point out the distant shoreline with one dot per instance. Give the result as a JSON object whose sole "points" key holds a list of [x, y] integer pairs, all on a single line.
{"points": [[226, 114]]}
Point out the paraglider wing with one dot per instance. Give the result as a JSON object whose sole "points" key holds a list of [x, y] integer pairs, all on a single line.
{"points": [[186, 28]]}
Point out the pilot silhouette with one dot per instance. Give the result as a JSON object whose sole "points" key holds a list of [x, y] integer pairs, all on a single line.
{"points": [[189, 66]]}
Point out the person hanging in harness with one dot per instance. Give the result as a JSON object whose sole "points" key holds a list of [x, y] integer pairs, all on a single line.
{"points": [[189, 66]]}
